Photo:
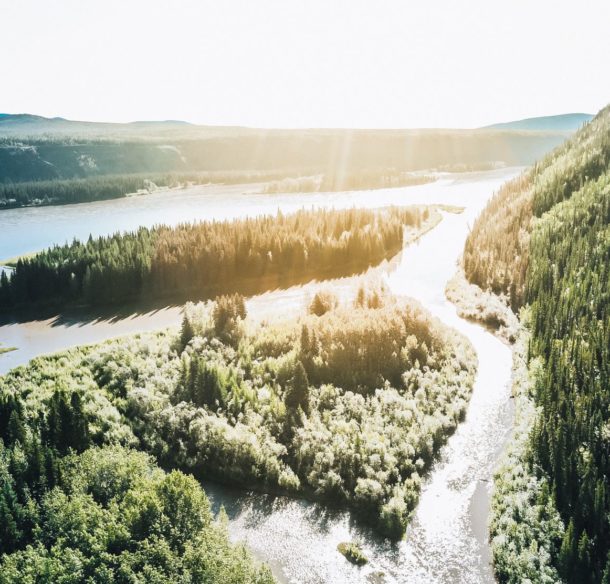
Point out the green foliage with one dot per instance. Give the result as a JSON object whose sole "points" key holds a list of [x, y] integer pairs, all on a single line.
{"points": [[278, 411], [496, 255], [526, 529], [209, 258], [272, 408], [568, 286], [73, 512], [552, 251], [297, 392], [228, 313]]}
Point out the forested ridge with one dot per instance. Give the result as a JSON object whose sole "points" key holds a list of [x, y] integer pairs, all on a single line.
{"points": [[202, 259], [80, 151], [496, 254], [545, 240], [53, 162]]}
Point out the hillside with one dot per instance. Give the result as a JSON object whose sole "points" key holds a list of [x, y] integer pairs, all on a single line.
{"points": [[560, 123], [497, 250], [35, 148], [545, 241]]}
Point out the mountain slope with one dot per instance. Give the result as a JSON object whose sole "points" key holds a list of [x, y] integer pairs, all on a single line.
{"points": [[497, 250], [545, 240], [560, 123]]}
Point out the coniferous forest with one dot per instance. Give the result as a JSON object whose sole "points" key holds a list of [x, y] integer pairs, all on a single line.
{"points": [[100, 188], [203, 259], [304, 292], [79, 504], [545, 242]]}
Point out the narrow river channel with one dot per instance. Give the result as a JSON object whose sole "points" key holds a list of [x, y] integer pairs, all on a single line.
{"points": [[446, 541]]}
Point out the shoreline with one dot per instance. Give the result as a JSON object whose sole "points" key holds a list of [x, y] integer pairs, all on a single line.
{"points": [[474, 305]]}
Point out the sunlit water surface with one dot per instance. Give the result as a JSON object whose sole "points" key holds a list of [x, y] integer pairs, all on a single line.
{"points": [[446, 541]]}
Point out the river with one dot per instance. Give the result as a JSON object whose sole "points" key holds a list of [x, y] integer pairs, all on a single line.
{"points": [[446, 541]]}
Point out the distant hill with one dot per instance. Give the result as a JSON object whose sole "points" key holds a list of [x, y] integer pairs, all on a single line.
{"points": [[560, 123], [29, 125], [34, 148]]}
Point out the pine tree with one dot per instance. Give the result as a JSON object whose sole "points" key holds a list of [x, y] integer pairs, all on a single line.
{"points": [[16, 428], [297, 392], [186, 332]]}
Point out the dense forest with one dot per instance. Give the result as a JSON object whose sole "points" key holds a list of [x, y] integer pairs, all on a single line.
{"points": [[203, 259], [496, 255], [78, 503], [100, 188], [545, 241], [347, 403]]}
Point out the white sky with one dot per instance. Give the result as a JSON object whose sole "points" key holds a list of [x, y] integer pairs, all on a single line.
{"points": [[288, 63]]}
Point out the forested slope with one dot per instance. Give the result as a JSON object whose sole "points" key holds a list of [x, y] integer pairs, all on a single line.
{"points": [[95, 150], [496, 255], [545, 240], [193, 261]]}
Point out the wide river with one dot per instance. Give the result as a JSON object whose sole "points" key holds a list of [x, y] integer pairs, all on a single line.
{"points": [[447, 539]]}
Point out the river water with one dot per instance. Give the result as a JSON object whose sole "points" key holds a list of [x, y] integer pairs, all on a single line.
{"points": [[446, 541]]}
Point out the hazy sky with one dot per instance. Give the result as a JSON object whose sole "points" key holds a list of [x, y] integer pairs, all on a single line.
{"points": [[285, 63]]}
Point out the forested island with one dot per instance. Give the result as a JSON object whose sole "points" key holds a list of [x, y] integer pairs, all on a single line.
{"points": [[347, 404], [194, 261], [100, 188], [114, 186], [544, 243]]}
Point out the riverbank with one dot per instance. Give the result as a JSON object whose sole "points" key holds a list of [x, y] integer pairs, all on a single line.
{"points": [[297, 538], [39, 332], [521, 511]]}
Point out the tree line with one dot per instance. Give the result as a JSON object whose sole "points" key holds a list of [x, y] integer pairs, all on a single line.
{"points": [[195, 260], [114, 186], [348, 180]]}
